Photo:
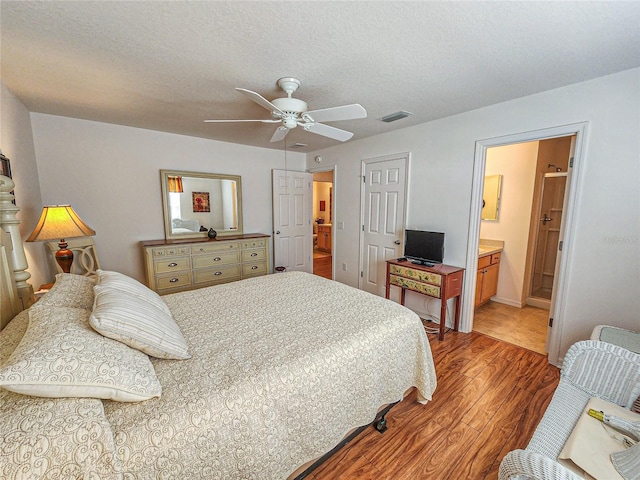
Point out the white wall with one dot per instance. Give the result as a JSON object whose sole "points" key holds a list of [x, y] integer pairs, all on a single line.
{"points": [[16, 143], [517, 165], [603, 282], [110, 174]]}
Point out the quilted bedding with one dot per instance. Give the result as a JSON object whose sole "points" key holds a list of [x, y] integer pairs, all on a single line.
{"points": [[282, 367]]}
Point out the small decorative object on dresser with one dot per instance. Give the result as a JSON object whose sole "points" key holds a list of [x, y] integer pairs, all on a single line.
{"points": [[174, 265], [212, 233]]}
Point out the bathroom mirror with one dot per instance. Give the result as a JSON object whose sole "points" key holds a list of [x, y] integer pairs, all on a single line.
{"points": [[491, 197], [195, 202]]}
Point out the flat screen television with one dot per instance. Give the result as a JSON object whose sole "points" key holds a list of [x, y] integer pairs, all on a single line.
{"points": [[424, 248]]}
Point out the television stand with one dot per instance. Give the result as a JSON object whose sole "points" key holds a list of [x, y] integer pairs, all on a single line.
{"points": [[420, 262], [438, 281]]}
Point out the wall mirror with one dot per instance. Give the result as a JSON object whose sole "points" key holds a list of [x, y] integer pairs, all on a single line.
{"points": [[195, 202], [491, 197]]}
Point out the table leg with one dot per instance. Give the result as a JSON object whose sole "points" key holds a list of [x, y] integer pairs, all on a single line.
{"points": [[457, 322], [443, 318]]}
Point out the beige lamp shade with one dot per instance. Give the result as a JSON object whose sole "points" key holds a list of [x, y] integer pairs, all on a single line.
{"points": [[58, 222]]}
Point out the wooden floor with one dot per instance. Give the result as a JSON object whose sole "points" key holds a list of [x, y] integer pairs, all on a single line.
{"points": [[489, 398], [322, 264], [526, 327]]}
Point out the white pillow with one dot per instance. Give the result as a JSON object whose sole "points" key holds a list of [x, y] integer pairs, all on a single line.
{"points": [[60, 355], [137, 323], [131, 286], [56, 438], [70, 290]]}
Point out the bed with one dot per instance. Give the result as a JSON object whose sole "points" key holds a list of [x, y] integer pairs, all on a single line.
{"points": [[266, 375]]}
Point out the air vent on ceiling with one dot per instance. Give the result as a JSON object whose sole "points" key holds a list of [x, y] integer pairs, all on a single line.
{"points": [[299, 145], [392, 117]]}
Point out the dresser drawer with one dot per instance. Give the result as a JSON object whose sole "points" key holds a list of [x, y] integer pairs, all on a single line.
{"points": [[222, 274], [171, 251], [253, 269], [219, 258], [416, 286], [172, 265], [179, 280], [254, 243], [253, 255], [419, 275], [214, 247]]}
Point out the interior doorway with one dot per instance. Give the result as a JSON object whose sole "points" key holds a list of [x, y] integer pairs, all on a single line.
{"points": [[526, 220], [323, 231], [575, 135]]}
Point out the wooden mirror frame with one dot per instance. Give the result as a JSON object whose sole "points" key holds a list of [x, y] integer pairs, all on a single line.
{"points": [[236, 210]]}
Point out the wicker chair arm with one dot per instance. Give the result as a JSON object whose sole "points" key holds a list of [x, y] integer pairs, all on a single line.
{"points": [[604, 370], [523, 464]]}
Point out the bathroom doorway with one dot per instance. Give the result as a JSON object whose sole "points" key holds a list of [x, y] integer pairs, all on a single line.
{"points": [[530, 212], [323, 208]]}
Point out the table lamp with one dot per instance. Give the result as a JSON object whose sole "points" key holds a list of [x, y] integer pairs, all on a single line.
{"points": [[58, 222]]}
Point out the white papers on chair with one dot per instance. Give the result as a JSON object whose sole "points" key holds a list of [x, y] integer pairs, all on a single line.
{"points": [[591, 443]]}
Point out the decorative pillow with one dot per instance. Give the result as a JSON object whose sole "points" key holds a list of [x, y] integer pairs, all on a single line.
{"points": [[60, 355], [137, 323], [56, 438], [131, 286], [70, 290]]}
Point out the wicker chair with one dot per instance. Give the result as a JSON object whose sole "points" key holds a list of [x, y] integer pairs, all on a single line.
{"points": [[590, 369]]}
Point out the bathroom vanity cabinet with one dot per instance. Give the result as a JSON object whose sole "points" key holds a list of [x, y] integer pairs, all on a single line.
{"points": [[324, 237], [487, 280]]}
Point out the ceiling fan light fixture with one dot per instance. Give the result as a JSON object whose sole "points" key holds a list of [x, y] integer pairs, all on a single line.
{"points": [[290, 123], [392, 117]]}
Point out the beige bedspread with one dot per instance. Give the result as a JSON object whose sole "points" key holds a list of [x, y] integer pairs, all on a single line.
{"points": [[283, 366]]}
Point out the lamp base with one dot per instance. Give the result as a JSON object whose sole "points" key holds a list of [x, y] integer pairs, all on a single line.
{"points": [[64, 257]]}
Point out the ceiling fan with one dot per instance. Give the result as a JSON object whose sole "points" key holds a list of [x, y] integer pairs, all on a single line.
{"points": [[290, 112]]}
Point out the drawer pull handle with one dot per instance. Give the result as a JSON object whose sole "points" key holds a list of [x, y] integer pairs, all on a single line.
{"points": [[218, 273], [254, 254], [217, 259], [174, 280], [172, 264], [255, 267], [201, 249]]}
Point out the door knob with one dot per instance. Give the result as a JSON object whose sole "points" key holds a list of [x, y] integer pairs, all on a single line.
{"points": [[545, 219], [397, 242], [278, 232]]}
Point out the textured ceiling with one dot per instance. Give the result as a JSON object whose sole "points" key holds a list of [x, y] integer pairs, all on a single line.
{"points": [[168, 65]]}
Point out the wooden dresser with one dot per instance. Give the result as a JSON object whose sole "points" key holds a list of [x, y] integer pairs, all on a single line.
{"points": [[440, 281], [177, 265]]}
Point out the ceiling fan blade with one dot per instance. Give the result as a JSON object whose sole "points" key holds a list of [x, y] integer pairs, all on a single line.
{"points": [[260, 100], [333, 114], [327, 131], [225, 121], [279, 134]]}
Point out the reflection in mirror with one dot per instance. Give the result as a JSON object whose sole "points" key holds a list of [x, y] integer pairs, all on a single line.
{"points": [[195, 202], [491, 197]]}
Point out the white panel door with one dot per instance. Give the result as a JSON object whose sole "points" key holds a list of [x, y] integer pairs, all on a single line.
{"points": [[292, 229], [384, 194]]}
